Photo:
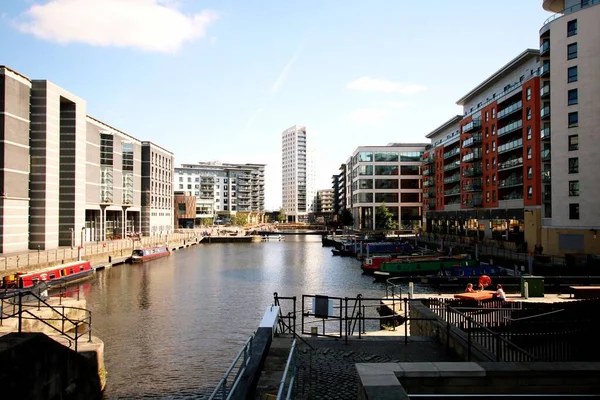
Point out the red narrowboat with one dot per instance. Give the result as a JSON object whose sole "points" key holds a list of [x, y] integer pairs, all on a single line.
{"points": [[69, 272], [151, 253]]}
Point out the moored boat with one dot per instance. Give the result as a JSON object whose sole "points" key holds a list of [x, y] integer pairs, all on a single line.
{"points": [[421, 267], [58, 274], [373, 264], [148, 254]]}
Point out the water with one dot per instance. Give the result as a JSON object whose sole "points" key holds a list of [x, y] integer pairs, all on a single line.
{"points": [[172, 326]]}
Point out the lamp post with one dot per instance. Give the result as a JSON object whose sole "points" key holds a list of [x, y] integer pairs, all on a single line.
{"points": [[72, 237]]}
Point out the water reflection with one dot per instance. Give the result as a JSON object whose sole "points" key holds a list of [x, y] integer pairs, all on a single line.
{"points": [[172, 326]]}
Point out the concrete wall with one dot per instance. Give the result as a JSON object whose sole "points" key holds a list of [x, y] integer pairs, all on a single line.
{"points": [[14, 161], [36, 367]]}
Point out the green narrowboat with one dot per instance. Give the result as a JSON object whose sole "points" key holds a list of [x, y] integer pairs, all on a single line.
{"points": [[422, 267]]}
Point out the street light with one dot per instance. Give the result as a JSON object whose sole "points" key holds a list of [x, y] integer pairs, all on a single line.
{"points": [[72, 237]]}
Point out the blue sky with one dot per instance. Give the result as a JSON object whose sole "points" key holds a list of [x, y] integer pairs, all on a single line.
{"points": [[220, 80]]}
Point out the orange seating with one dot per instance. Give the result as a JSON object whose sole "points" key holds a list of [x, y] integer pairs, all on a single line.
{"points": [[483, 295]]}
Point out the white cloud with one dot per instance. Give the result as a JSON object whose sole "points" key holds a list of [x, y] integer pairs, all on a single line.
{"points": [[253, 117], [367, 116], [150, 25], [368, 84]]}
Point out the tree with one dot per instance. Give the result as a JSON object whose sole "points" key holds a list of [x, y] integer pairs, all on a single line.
{"points": [[240, 219], [281, 217], [384, 219], [346, 219]]}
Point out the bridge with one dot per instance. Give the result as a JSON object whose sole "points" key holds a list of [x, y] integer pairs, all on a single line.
{"points": [[292, 232]]}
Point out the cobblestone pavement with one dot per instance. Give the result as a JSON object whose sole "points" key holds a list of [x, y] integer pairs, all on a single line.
{"points": [[328, 372]]}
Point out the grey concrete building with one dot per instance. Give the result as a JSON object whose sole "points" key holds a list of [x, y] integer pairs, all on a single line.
{"points": [[113, 182], [15, 92], [570, 111], [157, 190], [57, 176]]}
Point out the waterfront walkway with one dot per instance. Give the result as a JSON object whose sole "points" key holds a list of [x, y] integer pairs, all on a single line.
{"points": [[328, 369]]}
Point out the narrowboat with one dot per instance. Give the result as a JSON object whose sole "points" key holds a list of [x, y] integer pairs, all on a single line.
{"points": [[373, 264], [69, 272], [151, 253], [421, 267]]}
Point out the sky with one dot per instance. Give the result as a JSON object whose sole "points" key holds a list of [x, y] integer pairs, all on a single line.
{"points": [[221, 80]]}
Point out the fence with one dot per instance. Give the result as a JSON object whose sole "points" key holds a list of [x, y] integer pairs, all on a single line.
{"points": [[23, 304]]}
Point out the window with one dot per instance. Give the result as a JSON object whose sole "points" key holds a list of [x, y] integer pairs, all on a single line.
{"points": [[529, 192], [494, 180], [572, 51], [493, 129], [493, 145], [529, 152], [573, 119], [574, 211], [487, 116], [529, 172], [487, 132], [529, 133], [573, 142], [487, 164], [493, 196], [574, 165], [528, 92], [487, 148], [181, 179], [573, 97], [487, 180], [487, 197], [572, 74], [572, 28], [493, 112], [528, 113], [494, 162], [573, 188]]}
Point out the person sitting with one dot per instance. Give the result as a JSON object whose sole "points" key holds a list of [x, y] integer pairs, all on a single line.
{"points": [[500, 295], [469, 288]]}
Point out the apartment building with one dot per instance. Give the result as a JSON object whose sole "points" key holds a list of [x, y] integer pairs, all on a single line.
{"points": [[570, 113], [483, 169], [324, 201], [297, 193], [113, 182], [223, 189], [15, 94], [389, 175], [157, 190], [67, 178], [335, 185]]}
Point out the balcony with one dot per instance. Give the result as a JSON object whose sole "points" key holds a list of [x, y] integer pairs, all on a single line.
{"points": [[427, 182], [475, 155], [473, 171], [545, 48], [452, 165], [475, 124], [429, 171], [455, 191], [512, 163], [545, 91], [510, 182], [546, 155], [452, 153], [510, 146], [546, 176], [512, 127], [429, 206], [544, 70], [545, 112], [513, 196], [475, 139], [510, 109], [472, 187], [545, 134], [475, 201], [453, 178], [430, 194], [428, 160], [547, 197]]}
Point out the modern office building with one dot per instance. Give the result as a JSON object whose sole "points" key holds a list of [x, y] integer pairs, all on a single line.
{"points": [[483, 170], [15, 94], [157, 190], [335, 187], [296, 193], [324, 201], [113, 183], [570, 112], [67, 178], [389, 175], [223, 189]]}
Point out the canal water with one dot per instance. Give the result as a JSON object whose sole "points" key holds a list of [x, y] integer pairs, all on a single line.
{"points": [[172, 326]]}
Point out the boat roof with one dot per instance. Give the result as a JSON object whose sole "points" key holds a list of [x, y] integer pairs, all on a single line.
{"points": [[60, 266]]}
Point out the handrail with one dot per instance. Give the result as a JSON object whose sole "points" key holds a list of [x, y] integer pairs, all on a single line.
{"points": [[534, 316], [291, 363], [569, 10], [246, 351]]}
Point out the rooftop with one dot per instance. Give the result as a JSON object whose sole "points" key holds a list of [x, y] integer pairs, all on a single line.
{"points": [[444, 126], [502, 72]]}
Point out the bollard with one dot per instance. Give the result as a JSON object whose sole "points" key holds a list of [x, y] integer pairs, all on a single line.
{"points": [[526, 290], [410, 290]]}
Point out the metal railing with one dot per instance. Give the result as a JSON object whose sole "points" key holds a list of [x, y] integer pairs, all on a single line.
{"points": [[22, 305], [289, 376], [222, 391], [570, 10]]}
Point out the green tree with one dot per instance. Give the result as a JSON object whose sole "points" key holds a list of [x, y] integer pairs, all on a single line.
{"points": [[240, 219], [346, 218], [281, 217], [384, 219]]}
